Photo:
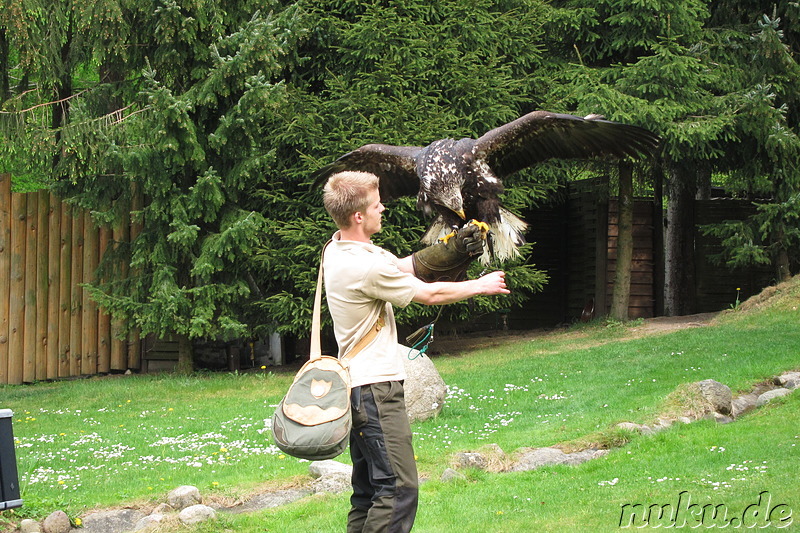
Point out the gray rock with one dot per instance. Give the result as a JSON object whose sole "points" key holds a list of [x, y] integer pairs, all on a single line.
{"points": [[470, 460], [770, 394], [56, 522], [717, 394], [333, 483], [110, 521], [637, 428], [319, 469], [150, 521], [789, 380], [576, 458], [162, 508], [538, 457], [425, 390], [195, 514], [664, 423], [722, 419], [268, 500], [30, 526], [451, 475], [742, 404], [183, 497]]}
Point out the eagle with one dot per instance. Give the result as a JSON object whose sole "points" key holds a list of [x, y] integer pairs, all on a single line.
{"points": [[461, 180]]}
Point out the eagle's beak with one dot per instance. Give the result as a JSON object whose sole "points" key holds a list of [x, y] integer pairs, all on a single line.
{"points": [[460, 213]]}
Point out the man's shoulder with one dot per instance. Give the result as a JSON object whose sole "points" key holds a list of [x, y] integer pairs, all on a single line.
{"points": [[363, 251]]}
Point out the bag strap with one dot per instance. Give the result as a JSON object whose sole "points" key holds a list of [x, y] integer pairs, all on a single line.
{"points": [[316, 350]]}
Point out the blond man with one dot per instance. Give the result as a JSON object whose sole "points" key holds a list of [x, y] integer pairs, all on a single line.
{"points": [[363, 283]]}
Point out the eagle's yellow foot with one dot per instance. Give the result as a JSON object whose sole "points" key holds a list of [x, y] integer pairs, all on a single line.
{"points": [[482, 225], [447, 237]]}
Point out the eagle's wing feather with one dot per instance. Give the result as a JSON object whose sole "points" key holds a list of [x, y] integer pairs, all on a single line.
{"points": [[394, 165], [542, 135]]}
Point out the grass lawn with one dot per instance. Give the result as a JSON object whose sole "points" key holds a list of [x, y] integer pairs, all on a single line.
{"points": [[117, 441]]}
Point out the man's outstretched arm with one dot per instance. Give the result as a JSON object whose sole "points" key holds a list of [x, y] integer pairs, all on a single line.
{"points": [[446, 292]]}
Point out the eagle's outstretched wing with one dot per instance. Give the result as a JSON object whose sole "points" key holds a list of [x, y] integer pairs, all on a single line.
{"points": [[542, 135], [394, 165]]}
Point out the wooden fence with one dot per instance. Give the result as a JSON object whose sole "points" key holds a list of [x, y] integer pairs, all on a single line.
{"points": [[49, 327]]}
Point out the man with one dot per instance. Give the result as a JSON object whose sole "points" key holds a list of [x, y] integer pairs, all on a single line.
{"points": [[363, 282]]}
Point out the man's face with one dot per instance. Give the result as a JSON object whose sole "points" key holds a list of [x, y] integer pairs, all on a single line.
{"points": [[372, 214]]}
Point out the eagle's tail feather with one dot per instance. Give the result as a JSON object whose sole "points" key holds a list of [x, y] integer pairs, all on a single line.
{"points": [[508, 235]]}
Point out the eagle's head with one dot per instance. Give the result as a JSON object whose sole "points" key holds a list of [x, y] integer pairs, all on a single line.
{"points": [[441, 175]]}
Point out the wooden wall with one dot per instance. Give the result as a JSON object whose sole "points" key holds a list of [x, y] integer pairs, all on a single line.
{"points": [[642, 294], [49, 327], [715, 286]]}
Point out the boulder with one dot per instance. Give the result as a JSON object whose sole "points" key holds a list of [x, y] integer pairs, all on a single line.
{"points": [[577, 458], [319, 469], [451, 475], [425, 390], [162, 508], [56, 522], [770, 394], [335, 482], [538, 457], [268, 500], [789, 380], [150, 521], [183, 497], [742, 404], [195, 514], [637, 428], [717, 394], [30, 526], [115, 520], [470, 460]]}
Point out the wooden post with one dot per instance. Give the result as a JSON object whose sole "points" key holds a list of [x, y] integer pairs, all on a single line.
{"points": [[5, 271], [89, 315], [75, 333], [53, 285], [119, 345], [103, 319], [31, 344], [624, 253], [16, 307], [134, 340], [601, 247], [42, 282], [65, 292]]}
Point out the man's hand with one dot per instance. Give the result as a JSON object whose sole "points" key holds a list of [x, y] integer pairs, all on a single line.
{"points": [[448, 259], [493, 283]]}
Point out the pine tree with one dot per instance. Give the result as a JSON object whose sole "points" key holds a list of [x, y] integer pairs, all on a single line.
{"points": [[199, 148], [400, 73]]}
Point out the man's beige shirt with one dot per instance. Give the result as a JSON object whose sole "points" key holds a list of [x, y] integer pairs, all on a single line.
{"points": [[361, 280]]}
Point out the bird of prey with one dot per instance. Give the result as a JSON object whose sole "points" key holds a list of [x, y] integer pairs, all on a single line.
{"points": [[460, 180]]}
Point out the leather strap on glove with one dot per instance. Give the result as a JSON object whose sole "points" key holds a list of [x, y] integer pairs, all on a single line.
{"points": [[448, 259]]}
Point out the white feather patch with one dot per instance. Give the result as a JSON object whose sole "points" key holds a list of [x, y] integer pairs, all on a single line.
{"points": [[508, 235]]}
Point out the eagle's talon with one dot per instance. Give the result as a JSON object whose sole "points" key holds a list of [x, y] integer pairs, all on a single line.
{"points": [[447, 237], [484, 227]]}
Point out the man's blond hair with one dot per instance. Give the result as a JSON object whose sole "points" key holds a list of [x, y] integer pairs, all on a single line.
{"points": [[346, 193]]}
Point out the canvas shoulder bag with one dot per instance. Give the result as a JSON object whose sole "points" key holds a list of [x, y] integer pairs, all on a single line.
{"points": [[313, 420]]}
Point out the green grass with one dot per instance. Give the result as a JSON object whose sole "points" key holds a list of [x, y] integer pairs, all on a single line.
{"points": [[129, 440]]}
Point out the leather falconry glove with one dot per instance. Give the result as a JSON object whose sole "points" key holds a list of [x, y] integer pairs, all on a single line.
{"points": [[448, 259]]}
